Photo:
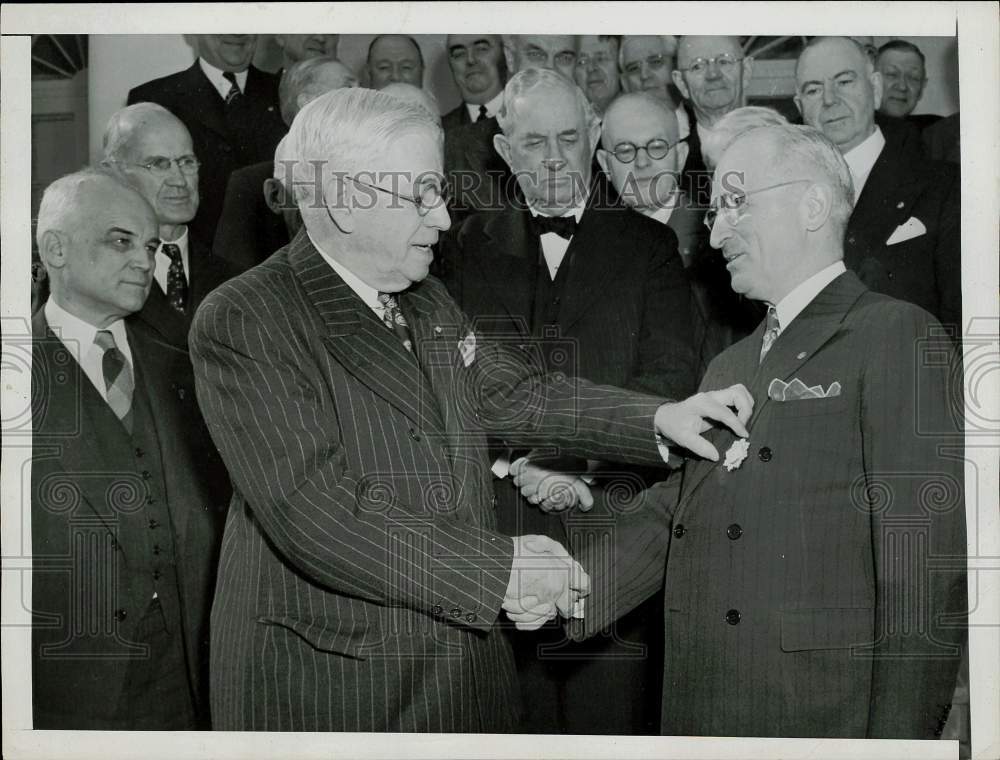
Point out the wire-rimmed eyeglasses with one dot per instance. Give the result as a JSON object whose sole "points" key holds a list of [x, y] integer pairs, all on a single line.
{"points": [[731, 204], [656, 149]]}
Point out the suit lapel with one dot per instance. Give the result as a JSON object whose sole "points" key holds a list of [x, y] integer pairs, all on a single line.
{"points": [[204, 101], [360, 342], [506, 260]]}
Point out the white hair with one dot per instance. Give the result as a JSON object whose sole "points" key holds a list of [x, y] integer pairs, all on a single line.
{"points": [[669, 42], [410, 93], [734, 124], [527, 80], [60, 201], [126, 122], [298, 78], [343, 131]]}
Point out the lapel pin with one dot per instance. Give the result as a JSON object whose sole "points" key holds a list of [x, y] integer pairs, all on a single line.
{"points": [[899, 205], [801, 355], [437, 329]]}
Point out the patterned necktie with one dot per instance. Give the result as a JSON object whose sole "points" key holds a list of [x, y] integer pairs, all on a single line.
{"points": [[393, 318], [177, 287], [234, 91], [117, 378], [771, 328], [482, 113]]}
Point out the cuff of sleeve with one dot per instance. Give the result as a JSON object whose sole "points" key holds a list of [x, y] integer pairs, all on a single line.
{"points": [[501, 467]]}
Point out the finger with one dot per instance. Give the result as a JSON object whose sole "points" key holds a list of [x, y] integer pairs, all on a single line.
{"points": [[695, 443], [712, 409], [517, 466], [583, 496], [530, 604], [738, 396], [544, 545], [579, 580]]}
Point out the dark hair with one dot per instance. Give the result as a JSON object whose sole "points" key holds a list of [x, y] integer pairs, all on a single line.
{"points": [[908, 47]]}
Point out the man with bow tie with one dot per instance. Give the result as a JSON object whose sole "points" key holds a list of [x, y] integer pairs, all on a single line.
{"points": [[601, 292], [815, 577], [151, 149], [128, 495]]}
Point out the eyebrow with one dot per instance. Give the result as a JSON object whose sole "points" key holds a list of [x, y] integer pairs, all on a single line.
{"points": [[114, 230], [569, 133]]}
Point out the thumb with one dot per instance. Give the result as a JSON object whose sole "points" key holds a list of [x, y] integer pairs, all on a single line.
{"points": [[583, 494]]}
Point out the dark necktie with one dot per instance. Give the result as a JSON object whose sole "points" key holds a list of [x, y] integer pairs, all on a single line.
{"points": [[563, 226], [118, 380], [177, 288], [393, 318], [234, 91], [482, 113], [771, 328]]}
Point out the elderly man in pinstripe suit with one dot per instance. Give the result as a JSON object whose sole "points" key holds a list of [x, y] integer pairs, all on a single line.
{"points": [[362, 575]]}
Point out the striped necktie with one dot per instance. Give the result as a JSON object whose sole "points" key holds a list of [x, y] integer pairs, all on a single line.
{"points": [[234, 91], [177, 287], [771, 329], [117, 378], [393, 318]]}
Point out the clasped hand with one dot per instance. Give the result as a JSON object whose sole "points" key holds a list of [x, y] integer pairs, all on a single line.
{"points": [[549, 489], [544, 581]]}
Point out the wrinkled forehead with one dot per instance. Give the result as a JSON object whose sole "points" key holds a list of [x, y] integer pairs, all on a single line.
{"points": [[748, 162], [160, 136], [552, 43], [102, 205], [638, 121], [694, 47], [547, 107]]}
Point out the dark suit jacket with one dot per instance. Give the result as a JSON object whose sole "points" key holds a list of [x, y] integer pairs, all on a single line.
{"points": [[361, 573], [248, 230], [78, 497], [478, 176], [223, 140], [207, 273], [906, 189], [456, 117], [818, 589]]}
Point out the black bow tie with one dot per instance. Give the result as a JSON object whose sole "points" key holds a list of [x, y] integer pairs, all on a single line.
{"points": [[563, 226]]}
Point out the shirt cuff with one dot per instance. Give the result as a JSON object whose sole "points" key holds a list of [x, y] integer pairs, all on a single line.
{"points": [[501, 467]]}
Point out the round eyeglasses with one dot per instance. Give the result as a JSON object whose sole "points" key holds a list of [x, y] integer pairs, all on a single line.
{"points": [[731, 205], [656, 149], [724, 62]]}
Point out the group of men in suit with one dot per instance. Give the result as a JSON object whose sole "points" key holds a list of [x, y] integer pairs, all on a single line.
{"points": [[388, 433]]}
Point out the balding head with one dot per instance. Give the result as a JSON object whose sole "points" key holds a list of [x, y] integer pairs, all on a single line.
{"points": [[97, 238], [308, 79], [732, 125], [394, 58], [712, 74]]}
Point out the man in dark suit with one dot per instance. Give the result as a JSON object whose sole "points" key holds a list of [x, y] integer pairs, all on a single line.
{"points": [[605, 299], [904, 76], [152, 150], [903, 238], [712, 75], [127, 493], [480, 71], [230, 108], [813, 586], [250, 228], [362, 573]]}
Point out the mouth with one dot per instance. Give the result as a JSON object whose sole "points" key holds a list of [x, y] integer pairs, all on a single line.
{"points": [[731, 256], [425, 248]]}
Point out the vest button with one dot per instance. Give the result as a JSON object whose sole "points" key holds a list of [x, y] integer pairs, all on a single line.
{"points": [[733, 617], [156, 575], [456, 613], [734, 531], [139, 453], [145, 475], [679, 530], [120, 615], [153, 524], [471, 617], [765, 454], [156, 548], [438, 609]]}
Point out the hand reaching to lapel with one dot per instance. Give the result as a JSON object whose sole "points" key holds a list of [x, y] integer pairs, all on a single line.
{"points": [[682, 424], [544, 579]]}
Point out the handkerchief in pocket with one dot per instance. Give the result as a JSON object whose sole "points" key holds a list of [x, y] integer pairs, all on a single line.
{"points": [[796, 390], [467, 348], [909, 229]]}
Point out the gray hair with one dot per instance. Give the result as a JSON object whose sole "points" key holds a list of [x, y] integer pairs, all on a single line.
{"points": [[527, 80], [868, 55], [60, 201], [733, 125], [298, 78], [669, 45], [343, 130], [798, 148], [410, 93], [125, 122]]}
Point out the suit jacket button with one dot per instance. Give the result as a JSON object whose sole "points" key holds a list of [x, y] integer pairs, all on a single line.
{"points": [[146, 475], [456, 613], [438, 609], [494, 502], [679, 530], [414, 434], [153, 524], [120, 615], [734, 531], [890, 275], [733, 617], [765, 455], [139, 453], [471, 617]]}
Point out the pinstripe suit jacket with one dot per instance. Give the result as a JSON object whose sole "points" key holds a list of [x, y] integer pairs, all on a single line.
{"points": [[818, 589], [362, 575]]}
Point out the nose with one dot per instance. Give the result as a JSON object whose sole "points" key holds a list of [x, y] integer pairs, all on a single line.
{"points": [[143, 260], [438, 217], [721, 231], [394, 75], [175, 176], [554, 163], [713, 71], [829, 97], [641, 158]]}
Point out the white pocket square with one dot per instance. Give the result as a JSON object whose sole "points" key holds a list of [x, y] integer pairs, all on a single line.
{"points": [[467, 348], [909, 229]]}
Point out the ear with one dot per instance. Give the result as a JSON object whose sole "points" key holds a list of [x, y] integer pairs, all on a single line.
{"points": [[54, 249], [508, 56], [876, 79], [274, 195], [502, 145], [817, 203], [747, 74], [680, 84], [602, 160]]}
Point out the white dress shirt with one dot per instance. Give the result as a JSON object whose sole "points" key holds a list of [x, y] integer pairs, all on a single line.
{"points": [[789, 307], [492, 106], [219, 82], [554, 246], [861, 158], [364, 291], [78, 337], [163, 261]]}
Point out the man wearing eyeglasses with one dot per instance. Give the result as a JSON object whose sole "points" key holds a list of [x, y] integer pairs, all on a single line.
{"points": [[903, 238], [363, 572], [596, 70], [152, 149], [540, 51], [712, 74], [600, 291], [811, 588]]}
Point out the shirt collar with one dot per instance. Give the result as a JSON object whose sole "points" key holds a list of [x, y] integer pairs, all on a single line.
{"points": [[576, 211], [364, 291], [789, 307], [181, 242], [862, 157], [492, 106], [78, 335], [221, 84]]}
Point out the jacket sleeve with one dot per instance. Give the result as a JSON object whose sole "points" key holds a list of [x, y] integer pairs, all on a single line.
{"points": [[948, 253], [276, 427]]}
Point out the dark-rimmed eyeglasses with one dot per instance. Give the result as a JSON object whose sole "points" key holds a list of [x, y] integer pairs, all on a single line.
{"points": [[725, 63], [540, 58], [161, 165], [731, 205], [656, 149], [426, 200]]}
